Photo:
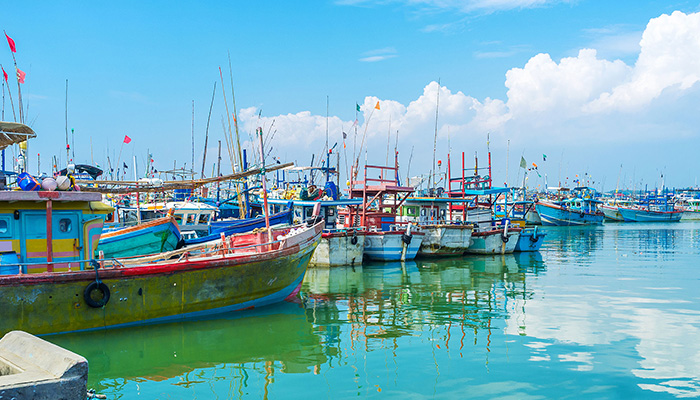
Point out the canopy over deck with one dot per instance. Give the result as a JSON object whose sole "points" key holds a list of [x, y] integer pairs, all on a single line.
{"points": [[13, 133]]}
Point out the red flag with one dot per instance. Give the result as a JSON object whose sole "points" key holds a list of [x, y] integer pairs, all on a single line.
{"points": [[5, 74], [11, 43], [20, 75], [127, 139]]}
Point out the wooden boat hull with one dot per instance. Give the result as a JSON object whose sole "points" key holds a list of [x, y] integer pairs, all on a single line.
{"points": [[553, 215], [611, 213], [445, 240], [530, 240], [338, 249], [157, 236], [492, 241], [635, 215], [389, 246], [690, 216], [229, 280]]}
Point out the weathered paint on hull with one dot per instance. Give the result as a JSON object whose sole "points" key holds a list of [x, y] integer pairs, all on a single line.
{"points": [[337, 249], [54, 302], [149, 238], [632, 215], [611, 213], [388, 246], [445, 240], [532, 217], [556, 216], [690, 216], [530, 240], [492, 243]]}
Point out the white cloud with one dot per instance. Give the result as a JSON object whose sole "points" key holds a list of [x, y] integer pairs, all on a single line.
{"points": [[548, 102], [669, 59], [379, 54]]}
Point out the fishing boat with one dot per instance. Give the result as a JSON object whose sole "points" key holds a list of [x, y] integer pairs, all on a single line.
{"points": [[654, 207], [444, 236], [580, 208], [244, 271], [338, 246], [490, 236], [691, 210], [154, 236], [386, 239]]}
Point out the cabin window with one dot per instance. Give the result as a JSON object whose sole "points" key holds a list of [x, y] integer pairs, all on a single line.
{"points": [[330, 211], [203, 219], [64, 225], [422, 212], [4, 227], [308, 211], [190, 219]]}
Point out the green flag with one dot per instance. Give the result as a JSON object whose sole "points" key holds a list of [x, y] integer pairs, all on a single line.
{"points": [[523, 164], [358, 107]]}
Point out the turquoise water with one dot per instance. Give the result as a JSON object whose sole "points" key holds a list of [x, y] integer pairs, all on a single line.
{"points": [[608, 312]]}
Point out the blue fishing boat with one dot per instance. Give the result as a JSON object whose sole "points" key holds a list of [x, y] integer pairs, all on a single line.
{"points": [[652, 208], [579, 209]]}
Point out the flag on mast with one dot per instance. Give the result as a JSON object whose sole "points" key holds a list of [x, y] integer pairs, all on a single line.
{"points": [[4, 73], [523, 163], [377, 106], [11, 43], [127, 139], [20, 75]]}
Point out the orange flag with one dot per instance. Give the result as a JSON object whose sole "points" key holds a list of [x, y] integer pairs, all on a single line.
{"points": [[377, 106]]}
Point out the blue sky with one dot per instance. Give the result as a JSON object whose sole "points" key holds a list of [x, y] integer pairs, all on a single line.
{"points": [[512, 69]]}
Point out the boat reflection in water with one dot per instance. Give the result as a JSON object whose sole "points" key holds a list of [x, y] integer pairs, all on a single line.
{"points": [[225, 357], [389, 305]]}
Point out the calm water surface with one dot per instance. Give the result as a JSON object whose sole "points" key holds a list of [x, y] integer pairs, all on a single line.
{"points": [[608, 312]]}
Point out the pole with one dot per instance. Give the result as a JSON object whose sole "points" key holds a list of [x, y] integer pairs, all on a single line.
{"points": [[192, 139], [437, 108], [264, 187], [206, 133]]}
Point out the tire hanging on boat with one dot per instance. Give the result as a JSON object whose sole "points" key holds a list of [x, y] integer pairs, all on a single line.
{"points": [[90, 289]]}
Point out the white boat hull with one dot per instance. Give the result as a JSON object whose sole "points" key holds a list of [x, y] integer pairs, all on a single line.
{"points": [[445, 240], [492, 242], [339, 249]]}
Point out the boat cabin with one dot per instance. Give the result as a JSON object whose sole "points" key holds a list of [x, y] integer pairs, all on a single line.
{"points": [[49, 231]]}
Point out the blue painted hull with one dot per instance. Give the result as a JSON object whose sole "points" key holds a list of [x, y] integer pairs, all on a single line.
{"points": [[634, 215], [554, 215], [147, 238], [530, 240], [241, 226], [388, 246]]}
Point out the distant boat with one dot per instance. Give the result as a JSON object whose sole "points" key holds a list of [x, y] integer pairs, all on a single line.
{"points": [[579, 209], [652, 208], [154, 236]]}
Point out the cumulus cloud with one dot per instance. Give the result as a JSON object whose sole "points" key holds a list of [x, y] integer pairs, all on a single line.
{"points": [[669, 59], [546, 101]]}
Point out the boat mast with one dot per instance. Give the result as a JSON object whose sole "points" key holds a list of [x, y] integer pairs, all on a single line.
{"points": [[437, 108]]}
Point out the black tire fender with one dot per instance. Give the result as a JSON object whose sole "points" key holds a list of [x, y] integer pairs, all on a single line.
{"points": [[99, 286]]}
